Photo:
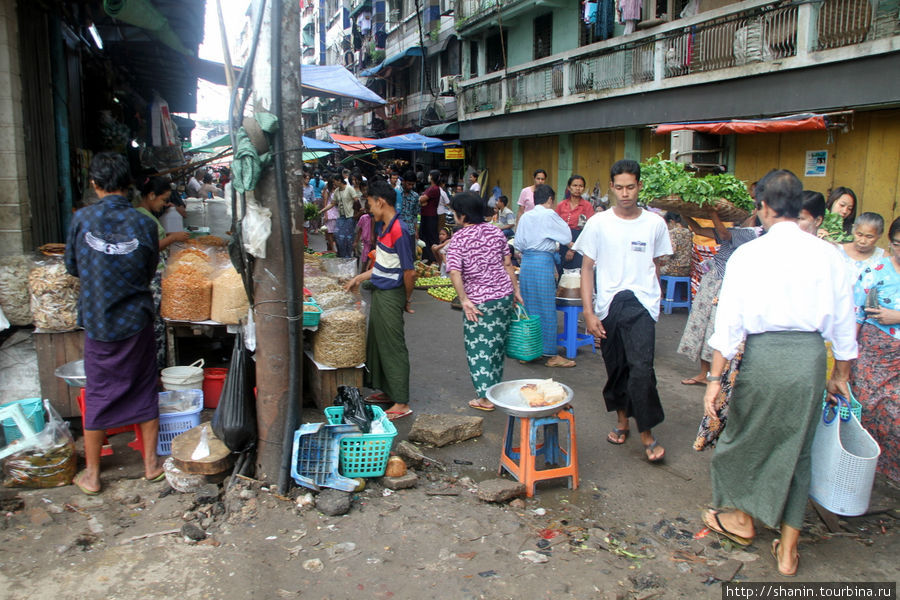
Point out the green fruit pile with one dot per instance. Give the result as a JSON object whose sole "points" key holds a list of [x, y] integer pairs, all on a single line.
{"points": [[445, 293], [433, 281]]}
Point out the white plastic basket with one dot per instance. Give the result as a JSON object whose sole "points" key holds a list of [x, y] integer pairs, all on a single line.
{"points": [[844, 457]]}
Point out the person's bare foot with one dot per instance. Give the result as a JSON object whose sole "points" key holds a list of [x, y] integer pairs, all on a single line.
{"points": [[152, 472], [695, 380], [89, 484], [735, 525]]}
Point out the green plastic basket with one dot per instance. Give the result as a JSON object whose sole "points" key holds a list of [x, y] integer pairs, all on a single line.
{"points": [[525, 340], [310, 317], [855, 406], [364, 455]]}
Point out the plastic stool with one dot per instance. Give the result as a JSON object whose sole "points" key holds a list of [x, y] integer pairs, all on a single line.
{"points": [[570, 339], [669, 302], [519, 460], [136, 444]]}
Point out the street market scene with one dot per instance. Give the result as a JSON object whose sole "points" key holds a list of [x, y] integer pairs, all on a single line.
{"points": [[459, 298]]}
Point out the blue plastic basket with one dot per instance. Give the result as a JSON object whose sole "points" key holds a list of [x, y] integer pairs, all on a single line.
{"points": [[364, 455], [34, 412], [176, 423], [316, 453]]}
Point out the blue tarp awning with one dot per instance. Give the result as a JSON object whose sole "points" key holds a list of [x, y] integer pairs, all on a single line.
{"points": [[391, 60], [334, 81], [413, 141]]}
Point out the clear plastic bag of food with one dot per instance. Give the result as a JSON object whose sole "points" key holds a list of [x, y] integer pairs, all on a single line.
{"points": [[15, 299], [48, 462], [186, 293], [54, 295], [342, 268], [340, 341], [229, 298]]}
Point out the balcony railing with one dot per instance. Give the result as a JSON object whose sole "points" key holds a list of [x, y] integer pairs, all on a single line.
{"points": [[746, 38]]}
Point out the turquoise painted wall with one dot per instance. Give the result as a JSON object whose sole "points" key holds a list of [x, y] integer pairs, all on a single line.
{"points": [[519, 47]]}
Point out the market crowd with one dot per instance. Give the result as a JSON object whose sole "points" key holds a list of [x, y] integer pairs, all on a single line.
{"points": [[774, 294]]}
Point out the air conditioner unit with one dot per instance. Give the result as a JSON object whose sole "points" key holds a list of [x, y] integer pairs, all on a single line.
{"points": [[446, 7], [692, 147], [394, 15], [448, 85]]}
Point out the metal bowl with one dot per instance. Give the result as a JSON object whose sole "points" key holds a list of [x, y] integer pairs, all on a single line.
{"points": [[72, 373], [507, 398]]}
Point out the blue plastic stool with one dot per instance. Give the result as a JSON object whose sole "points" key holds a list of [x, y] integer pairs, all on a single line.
{"points": [[559, 462], [669, 302], [570, 339]]}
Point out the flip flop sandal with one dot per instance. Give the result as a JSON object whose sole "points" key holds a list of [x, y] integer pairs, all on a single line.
{"points": [[393, 415], [692, 381], [563, 363], [737, 539], [159, 477], [479, 406], [648, 448], [83, 489], [775, 544], [378, 398], [623, 433]]}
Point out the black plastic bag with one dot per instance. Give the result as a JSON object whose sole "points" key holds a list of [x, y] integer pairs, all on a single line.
{"points": [[356, 411], [234, 421]]}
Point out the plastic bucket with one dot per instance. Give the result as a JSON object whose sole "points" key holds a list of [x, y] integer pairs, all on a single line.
{"points": [[33, 408], [213, 381], [183, 378]]}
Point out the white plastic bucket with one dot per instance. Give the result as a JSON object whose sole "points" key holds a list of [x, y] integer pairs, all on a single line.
{"points": [[183, 378]]}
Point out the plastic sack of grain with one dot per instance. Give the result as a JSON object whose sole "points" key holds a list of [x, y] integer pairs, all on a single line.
{"points": [[340, 341], [186, 294], [15, 299], [229, 298]]}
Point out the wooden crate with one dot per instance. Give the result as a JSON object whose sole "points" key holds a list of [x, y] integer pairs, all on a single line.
{"points": [[323, 382], [54, 350]]}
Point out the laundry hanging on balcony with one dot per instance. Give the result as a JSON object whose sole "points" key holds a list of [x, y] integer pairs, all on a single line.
{"points": [[800, 122]]}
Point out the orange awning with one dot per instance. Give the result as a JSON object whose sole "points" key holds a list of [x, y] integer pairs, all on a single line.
{"points": [[351, 143], [806, 122]]}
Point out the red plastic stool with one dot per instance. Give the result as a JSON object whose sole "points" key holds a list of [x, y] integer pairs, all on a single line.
{"points": [[520, 460], [136, 444]]}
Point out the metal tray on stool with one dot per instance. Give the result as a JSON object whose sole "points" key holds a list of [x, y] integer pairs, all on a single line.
{"points": [[568, 301], [506, 397]]}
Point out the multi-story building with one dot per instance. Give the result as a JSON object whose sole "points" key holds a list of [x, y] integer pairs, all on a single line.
{"points": [[558, 85]]}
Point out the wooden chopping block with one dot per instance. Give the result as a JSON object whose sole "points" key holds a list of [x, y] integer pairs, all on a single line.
{"points": [[220, 457]]}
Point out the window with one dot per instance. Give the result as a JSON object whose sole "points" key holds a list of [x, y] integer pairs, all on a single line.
{"points": [[450, 59], [473, 59], [495, 52], [543, 36]]}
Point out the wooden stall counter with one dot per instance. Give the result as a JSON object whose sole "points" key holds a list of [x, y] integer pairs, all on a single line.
{"points": [[323, 381]]}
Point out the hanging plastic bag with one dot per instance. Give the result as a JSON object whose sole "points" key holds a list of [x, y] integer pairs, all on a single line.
{"points": [[256, 226], [234, 421], [49, 461], [356, 411]]}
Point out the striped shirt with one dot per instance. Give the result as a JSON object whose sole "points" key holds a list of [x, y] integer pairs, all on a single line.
{"points": [[739, 236], [393, 255]]}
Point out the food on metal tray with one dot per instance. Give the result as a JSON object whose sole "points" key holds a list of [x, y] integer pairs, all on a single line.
{"points": [[447, 293], [545, 393], [208, 240], [433, 281]]}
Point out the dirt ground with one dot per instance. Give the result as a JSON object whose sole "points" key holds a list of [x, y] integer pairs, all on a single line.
{"points": [[627, 531]]}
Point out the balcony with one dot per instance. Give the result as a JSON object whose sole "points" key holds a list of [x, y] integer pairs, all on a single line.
{"points": [[744, 39]]}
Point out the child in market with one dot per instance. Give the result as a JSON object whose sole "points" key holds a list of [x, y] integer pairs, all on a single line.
{"points": [[439, 250], [365, 235]]}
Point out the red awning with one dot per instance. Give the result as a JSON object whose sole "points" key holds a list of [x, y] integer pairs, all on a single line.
{"points": [[793, 123], [351, 143]]}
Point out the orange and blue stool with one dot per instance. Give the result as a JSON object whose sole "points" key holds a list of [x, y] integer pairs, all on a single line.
{"points": [[558, 461]]}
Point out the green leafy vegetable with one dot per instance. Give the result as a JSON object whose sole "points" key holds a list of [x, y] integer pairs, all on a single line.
{"points": [[662, 178], [310, 211], [834, 225]]}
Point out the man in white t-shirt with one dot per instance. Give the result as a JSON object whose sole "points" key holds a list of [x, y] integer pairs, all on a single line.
{"points": [[623, 246]]}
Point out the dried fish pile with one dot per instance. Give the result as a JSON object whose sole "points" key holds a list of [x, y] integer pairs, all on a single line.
{"points": [[335, 299], [340, 341], [15, 299], [54, 296]]}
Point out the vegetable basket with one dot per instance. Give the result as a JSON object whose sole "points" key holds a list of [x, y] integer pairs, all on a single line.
{"points": [[727, 211]]}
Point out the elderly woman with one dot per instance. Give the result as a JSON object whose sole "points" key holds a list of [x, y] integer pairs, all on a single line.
{"points": [[862, 253], [479, 265], [875, 376], [114, 250]]}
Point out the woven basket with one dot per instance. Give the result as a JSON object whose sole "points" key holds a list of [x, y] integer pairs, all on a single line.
{"points": [[727, 211], [525, 341]]}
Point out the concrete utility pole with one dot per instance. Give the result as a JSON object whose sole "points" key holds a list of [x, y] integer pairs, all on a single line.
{"points": [[277, 386]]}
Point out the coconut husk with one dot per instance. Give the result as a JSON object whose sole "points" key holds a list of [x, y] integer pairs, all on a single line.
{"points": [[727, 211]]}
